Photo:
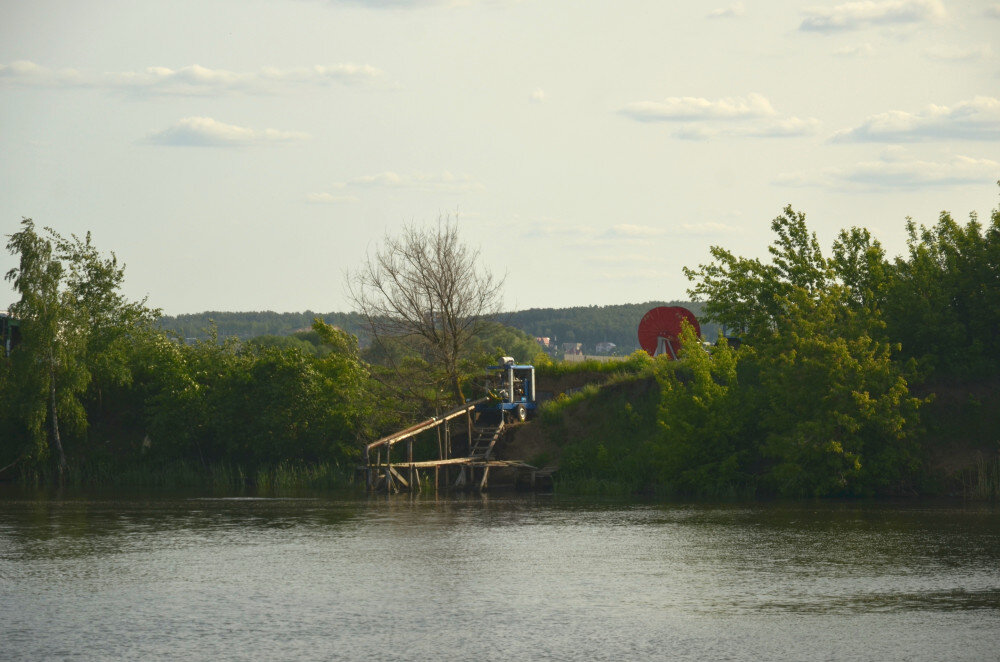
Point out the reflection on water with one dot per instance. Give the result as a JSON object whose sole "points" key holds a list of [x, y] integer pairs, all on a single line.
{"points": [[536, 577]]}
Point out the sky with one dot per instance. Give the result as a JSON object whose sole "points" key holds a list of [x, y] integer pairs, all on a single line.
{"points": [[247, 154]]}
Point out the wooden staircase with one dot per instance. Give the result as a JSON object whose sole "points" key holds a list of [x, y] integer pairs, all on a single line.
{"points": [[483, 440]]}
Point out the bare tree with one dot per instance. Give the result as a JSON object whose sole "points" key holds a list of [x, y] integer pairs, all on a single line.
{"points": [[429, 291]]}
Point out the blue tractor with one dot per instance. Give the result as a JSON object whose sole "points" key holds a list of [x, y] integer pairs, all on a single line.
{"points": [[512, 390]]}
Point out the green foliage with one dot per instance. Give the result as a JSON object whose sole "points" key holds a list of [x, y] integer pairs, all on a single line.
{"points": [[833, 409], [495, 340], [943, 299], [607, 436], [253, 405], [638, 362], [76, 336], [703, 448], [247, 325]]}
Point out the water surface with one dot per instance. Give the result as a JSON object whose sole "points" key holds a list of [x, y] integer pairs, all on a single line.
{"points": [[494, 578]]}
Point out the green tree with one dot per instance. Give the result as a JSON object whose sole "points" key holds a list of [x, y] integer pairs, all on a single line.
{"points": [[48, 376], [835, 414], [943, 303], [77, 331], [832, 406]]}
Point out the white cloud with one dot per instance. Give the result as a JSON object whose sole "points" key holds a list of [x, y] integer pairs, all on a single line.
{"points": [[686, 109], [207, 132], [538, 95], [422, 181], [977, 119], [959, 53], [785, 128], [858, 15], [752, 116], [993, 11], [630, 231], [330, 199], [895, 170], [735, 9], [855, 50], [190, 80]]}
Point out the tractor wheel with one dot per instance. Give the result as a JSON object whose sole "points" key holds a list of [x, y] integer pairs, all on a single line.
{"points": [[521, 413]]}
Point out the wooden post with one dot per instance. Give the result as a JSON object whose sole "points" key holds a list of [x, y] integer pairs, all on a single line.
{"points": [[409, 454], [368, 471], [447, 451], [436, 479], [468, 420], [486, 473], [388, 469]]}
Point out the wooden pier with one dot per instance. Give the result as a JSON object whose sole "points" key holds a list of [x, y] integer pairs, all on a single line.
{"points": [[470, 471]]}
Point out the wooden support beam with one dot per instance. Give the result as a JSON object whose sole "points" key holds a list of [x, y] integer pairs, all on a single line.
{"points": [[399, 477], [486, 473]]}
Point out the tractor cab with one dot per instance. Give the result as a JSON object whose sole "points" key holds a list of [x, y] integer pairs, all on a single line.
{"points": [[511, 388]]}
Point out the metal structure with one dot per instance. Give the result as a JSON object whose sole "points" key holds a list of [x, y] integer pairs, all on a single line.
{"points": [[512, 390], [660, 330]]}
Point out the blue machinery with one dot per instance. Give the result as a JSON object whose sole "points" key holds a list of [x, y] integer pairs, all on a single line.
{"points": [[512, 390]]}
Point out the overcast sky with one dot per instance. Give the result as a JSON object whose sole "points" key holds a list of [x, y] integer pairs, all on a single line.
{"points": [[244, 154]]}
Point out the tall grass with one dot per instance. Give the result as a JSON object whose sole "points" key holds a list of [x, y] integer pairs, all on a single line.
{"points": [[182, 474], [983, 482], [636, 363]]}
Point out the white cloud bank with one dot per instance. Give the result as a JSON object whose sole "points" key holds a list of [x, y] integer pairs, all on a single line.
{"points": [[857, 15], [190, 80], [735, 9], [976, 119], [959, 53], [895, 170], [421, 181], [702, 119], [418, 181], [207, 132]]}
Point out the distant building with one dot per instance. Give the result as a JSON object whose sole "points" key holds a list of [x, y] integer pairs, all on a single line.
{"points": [[605, 347], [572, 348], [544, 341]]}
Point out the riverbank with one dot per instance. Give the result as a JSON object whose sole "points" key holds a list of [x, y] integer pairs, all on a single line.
{"points": [[608, 440]]}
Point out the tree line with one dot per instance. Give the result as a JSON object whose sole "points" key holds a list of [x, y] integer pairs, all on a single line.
{"points": [[836, 389], [96, 382], [589, 325]]}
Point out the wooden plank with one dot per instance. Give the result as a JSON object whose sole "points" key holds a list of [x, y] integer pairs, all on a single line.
{"points": [[399, 477], [431, 422]]}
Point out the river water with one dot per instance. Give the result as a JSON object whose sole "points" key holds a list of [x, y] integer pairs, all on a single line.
{"points": [[188, 577]]}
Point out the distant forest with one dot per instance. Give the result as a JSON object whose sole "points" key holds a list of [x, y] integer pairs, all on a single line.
{"points": [[584, 324]]}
